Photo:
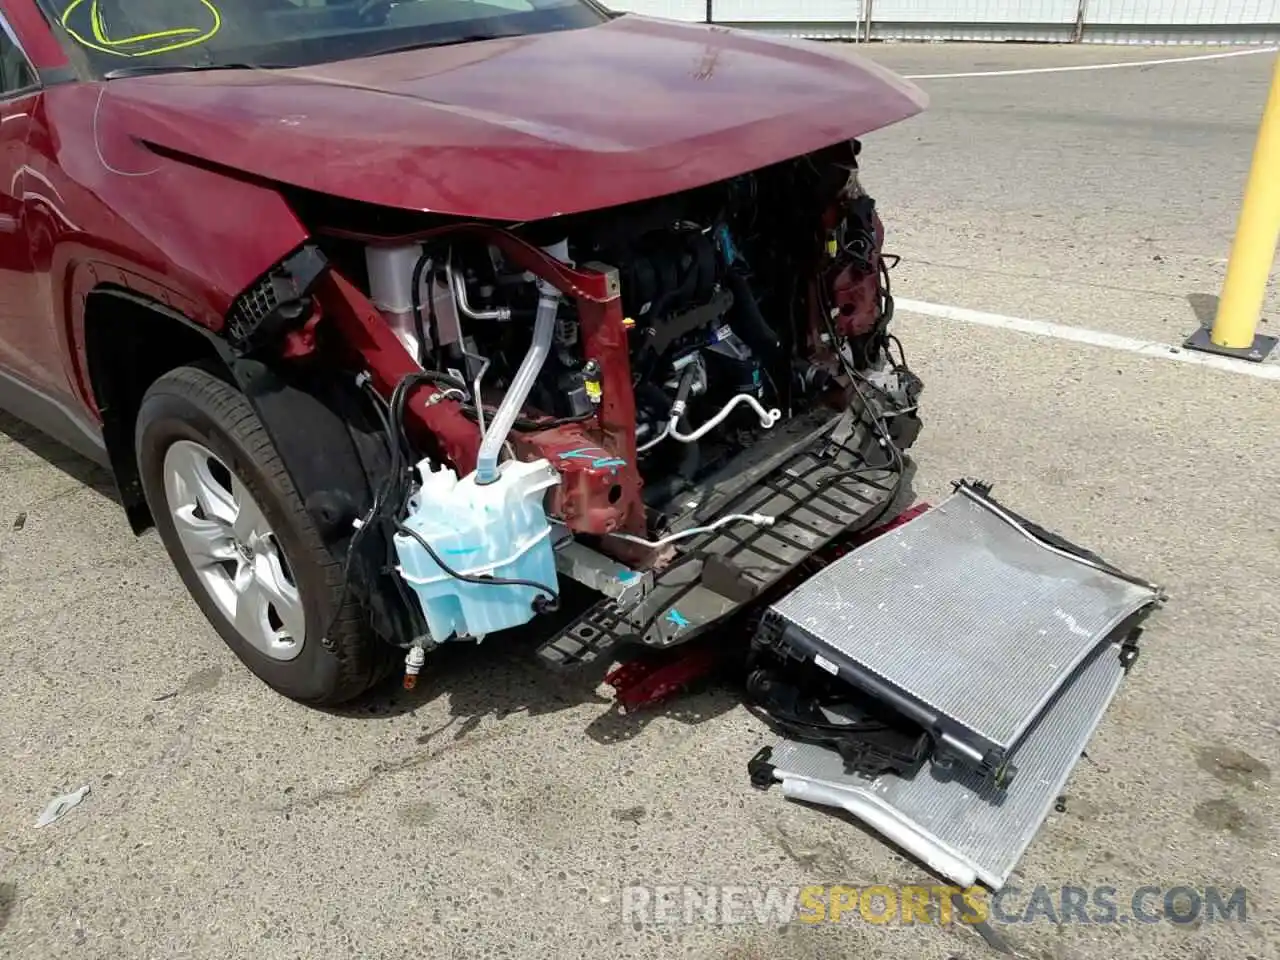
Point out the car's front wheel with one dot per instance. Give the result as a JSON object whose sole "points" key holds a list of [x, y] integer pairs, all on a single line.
{"points": [[244, 544]]}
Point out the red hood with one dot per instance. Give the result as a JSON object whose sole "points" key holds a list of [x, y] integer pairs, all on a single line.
{"points": [[523, 128]]}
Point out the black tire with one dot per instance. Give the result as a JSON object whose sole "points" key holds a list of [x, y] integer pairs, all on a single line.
{"points": [[189, 403]]}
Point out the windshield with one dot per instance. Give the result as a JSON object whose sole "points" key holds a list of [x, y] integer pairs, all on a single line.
{"points": [[126, 36]]}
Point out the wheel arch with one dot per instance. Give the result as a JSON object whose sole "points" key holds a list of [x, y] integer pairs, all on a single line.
{"points": [[323, 430], [130, 341]]}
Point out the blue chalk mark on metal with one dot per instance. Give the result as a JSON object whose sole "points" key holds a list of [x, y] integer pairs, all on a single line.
{"points": [[724, 240], [677, 619], [627, 576], [592, 454], [458, 550]]}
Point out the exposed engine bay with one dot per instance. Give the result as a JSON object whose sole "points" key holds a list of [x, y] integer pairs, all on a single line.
{"points": [[590, 384]]}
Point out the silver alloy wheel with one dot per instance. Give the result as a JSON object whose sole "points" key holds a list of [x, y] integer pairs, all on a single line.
{"points": [[235, 554]]}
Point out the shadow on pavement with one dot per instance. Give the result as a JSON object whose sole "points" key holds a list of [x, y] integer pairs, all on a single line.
{"points": [[63, 459], [501, 677], [1205, 307]]}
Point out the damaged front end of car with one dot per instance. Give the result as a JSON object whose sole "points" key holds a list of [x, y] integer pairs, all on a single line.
{"points": [[672, 402]]}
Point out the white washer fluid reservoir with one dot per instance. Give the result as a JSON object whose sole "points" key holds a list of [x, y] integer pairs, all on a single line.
{"points": [[496, 529]]}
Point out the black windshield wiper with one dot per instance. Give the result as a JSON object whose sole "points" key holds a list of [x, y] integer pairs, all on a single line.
{"points": [[147, 69]]}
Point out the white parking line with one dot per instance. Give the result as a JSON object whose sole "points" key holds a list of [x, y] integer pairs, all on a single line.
{"points": [[1094, 338], [1081, 67]]}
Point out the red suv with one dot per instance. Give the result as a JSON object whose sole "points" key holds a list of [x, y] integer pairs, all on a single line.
{"points": [[409, 321]]}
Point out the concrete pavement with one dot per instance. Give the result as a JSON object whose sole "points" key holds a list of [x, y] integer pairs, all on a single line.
{"points": [[497, 812], [1104, 199]]}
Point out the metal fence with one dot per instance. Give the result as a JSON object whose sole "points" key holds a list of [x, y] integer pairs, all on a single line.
{"points": [[1061, 21]]}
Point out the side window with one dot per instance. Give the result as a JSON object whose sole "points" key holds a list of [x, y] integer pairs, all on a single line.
{"points": [[16, 73]]}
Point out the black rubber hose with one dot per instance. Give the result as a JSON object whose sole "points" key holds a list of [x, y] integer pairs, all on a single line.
{"points": [[653, 397], [751, 324], [415, 293], [683, 389]]}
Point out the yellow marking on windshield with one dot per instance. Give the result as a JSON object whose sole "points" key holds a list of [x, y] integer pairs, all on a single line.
{"points": [[100, 31], [106, 44]]}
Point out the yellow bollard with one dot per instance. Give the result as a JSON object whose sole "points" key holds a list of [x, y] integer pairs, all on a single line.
{"points": [[1254, 249]]}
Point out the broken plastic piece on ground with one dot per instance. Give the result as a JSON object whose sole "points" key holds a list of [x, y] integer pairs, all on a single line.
{"points": [[58, 806], [809, 706]]}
